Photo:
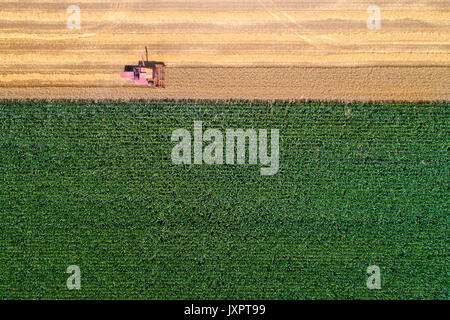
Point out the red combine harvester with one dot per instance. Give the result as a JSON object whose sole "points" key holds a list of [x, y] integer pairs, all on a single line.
{"points": [[146, 73]]}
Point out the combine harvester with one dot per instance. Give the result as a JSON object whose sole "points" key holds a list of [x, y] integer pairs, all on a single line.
{"points": [[146, 73]]}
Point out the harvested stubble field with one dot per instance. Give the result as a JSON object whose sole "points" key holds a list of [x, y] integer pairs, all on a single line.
{"points": [[227, 49], [93, 184]]}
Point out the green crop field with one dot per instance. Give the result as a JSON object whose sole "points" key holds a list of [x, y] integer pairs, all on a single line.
{"points": [[93, 185]]}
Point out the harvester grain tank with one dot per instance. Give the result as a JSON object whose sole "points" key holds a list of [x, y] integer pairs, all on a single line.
{"points": [[146, 73]]}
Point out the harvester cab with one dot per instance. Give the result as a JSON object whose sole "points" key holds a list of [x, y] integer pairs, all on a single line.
{"points": [[146, 73]]}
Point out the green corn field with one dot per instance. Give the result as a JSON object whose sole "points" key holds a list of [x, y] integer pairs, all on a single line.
{"points": [[93, 185]]}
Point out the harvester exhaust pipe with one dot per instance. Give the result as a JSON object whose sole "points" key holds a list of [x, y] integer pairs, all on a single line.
{"points": [[146, 53]]}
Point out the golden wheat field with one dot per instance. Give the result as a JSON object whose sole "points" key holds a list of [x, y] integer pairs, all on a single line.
{"points": [[227, 49]]}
